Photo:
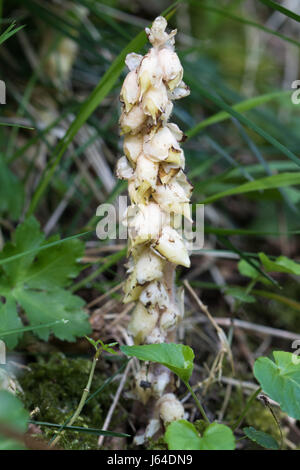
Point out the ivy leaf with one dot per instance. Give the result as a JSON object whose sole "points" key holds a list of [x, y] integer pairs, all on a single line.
{"points": [[281, 380], [14, 416], [36, 283], [177, 357], [282, 264], [182, 435], [261, 438]]}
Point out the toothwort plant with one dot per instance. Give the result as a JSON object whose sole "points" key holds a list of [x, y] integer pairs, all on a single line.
{"points": [[159, 193]]}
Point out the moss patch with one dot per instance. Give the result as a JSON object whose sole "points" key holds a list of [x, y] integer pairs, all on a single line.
{"points": [[55, 386]]}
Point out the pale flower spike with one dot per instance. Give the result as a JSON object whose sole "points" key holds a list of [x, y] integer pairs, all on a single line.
{"points": [[153, 164]]}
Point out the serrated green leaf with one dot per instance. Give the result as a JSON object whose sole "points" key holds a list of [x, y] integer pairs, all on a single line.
{"points": [[182, 435], [58, 304], [9, 320], [27, 236], [281, 380], [35, 282], [282, 264], [261, 438], [14, 416], [177, 357], [56, 266]]}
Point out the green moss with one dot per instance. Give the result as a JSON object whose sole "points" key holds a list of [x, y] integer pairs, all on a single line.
{"points": [[55, 386], [257, 416], [159, 444]]}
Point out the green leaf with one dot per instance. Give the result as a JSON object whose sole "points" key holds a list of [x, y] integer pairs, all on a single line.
{"points": [[57, 304], [261, 438], [249, 271], [217, 437], [35, 282], [282, 9], [191, 80], [9, 320], [282, 264], [182, 435], [10, 31], [98, 432], [269, 182], [242, 106], [177, 357], [11, 192], [240, 294], [281, 380], [14, 416], [243, 20]]}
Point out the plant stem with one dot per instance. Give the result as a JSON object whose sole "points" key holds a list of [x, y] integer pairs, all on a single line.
{"points": [[85, 393], [247, 406], [200, 407]]}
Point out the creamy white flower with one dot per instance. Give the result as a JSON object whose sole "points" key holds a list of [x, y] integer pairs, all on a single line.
{"points": [[178, 134], [171, 67], [142, 322], [149, 267], [155, 294], [146, 171], [133, 60], [155, 102], [150, 72], [175, 196], [133, 121], [163, 146], [144, 222], [132, 289], [130, 91], [124, 170], [157, 35], [155, 337], [171, 245], [181, 91], [133, 146], [170, 408], [160, 193]]}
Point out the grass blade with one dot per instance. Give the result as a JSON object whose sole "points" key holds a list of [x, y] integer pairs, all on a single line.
{"points": [[269, 182], [245, 105], [281, 9]]}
